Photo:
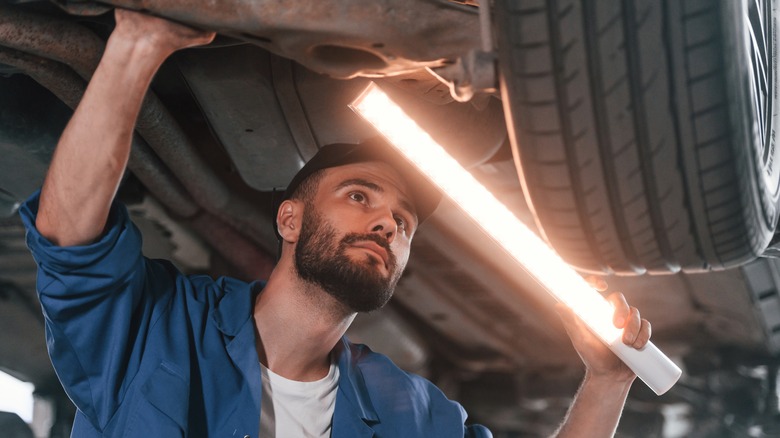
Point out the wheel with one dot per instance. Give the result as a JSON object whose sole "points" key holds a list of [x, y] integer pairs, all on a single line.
{"points": [[644, 130]]}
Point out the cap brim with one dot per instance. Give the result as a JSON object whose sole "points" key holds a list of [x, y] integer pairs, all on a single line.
{"points": [[425, 195]]}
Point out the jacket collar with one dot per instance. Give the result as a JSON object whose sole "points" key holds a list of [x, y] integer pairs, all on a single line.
{"points": [[235, 306], [351, 381], [233, 317], [355, 415]]}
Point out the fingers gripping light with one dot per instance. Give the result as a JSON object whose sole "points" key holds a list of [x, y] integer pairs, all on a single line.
{"points": [[538, 259]]}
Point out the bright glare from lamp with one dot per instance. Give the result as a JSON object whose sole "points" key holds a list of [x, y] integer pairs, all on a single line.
{"points": [[488, 212]]}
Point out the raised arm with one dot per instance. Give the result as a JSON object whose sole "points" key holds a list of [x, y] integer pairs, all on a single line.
{"points": [[94, 148], [599, 402]]}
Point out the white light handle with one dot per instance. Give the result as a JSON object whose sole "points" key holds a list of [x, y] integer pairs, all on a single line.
{"points": [[649, 364]]}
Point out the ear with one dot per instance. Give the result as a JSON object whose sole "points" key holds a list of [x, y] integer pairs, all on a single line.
{"points": [[288, 220]]}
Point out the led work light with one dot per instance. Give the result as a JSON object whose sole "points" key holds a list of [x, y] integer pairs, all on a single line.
{"points": [[533, 254]]}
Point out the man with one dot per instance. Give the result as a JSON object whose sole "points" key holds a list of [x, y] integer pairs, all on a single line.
{"points": [[144, 351]]}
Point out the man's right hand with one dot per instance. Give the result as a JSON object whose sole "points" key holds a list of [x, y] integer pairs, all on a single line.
{"points": [[94, 148], [164, 35]]}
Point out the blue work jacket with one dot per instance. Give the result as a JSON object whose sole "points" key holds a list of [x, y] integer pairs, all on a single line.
{"points": [[145, 351]]}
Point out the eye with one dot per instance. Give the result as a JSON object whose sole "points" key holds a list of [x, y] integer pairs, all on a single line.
{"points": [[359, 197], [401, 222]]}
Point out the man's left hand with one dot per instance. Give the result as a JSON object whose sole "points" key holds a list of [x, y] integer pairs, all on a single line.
{"points": [[599, 361]]}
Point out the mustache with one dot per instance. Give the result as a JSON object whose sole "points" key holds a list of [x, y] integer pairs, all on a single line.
{"points": [[356, 237]]}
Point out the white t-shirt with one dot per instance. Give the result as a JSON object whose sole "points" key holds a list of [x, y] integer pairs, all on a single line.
{"points": [[297, 409]]}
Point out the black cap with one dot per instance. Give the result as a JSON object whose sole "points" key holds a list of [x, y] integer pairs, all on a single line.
{"points": [[425, 196]]}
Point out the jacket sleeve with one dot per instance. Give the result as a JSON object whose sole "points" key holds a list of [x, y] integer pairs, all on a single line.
{"points": [[98, 303]]}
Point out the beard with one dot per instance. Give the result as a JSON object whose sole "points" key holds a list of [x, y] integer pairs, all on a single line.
{"points": [[322, 260]]}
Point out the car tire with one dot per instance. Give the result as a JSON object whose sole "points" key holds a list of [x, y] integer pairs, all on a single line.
{"points": [[644, 131]]}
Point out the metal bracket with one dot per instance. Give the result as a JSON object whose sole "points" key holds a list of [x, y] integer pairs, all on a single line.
{"points": [[476, 71], [471, 74]]}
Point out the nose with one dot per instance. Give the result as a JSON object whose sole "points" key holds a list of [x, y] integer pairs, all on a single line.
{"points": [[385, 225]]}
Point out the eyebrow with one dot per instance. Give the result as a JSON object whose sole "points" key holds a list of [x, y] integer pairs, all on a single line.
{"points": [[361, 182], [378, 189]]}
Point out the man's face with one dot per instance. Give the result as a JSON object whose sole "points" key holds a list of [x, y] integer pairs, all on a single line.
{"points": [[355, 235]]}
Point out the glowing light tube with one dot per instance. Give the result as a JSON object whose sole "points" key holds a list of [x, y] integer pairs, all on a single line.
{"points": [[533, 254]]}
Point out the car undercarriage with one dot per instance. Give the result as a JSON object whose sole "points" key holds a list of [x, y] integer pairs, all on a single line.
{"points": [[226, 126]]}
